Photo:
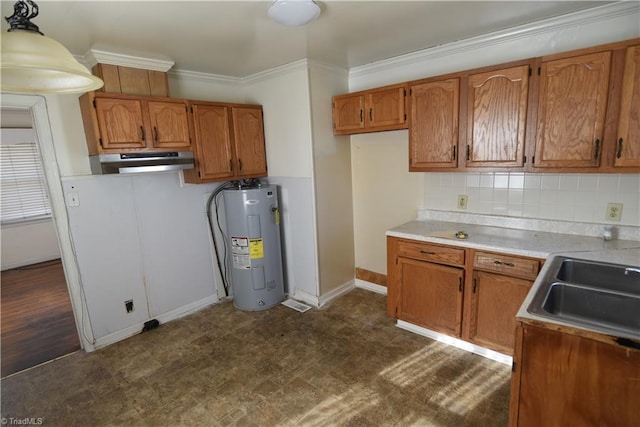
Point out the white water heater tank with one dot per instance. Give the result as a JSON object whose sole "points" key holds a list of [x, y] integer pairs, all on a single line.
{"points": [[253, 233]]}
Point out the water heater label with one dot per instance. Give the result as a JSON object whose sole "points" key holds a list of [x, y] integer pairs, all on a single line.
{"points": [[256, 248], [240, 252]]}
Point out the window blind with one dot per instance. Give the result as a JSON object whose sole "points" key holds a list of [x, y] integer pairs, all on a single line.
{"points": [[23, 191]]}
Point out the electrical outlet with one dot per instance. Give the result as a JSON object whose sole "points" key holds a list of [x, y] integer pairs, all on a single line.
{"points": [[462, 201], [614, 212], [128, 305]]}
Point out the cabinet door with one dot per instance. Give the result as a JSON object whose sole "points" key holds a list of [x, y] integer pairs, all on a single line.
{"points": [[348, 114], [431, 295], [628, 143], [213, 142], [385, 107], [121, 123], [169, 124], [571, 111], [568, 380], [495, 300], [248, 134], [497, 116], [433, 130]]}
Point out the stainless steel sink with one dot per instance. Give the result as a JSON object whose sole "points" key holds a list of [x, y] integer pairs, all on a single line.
{"points": [[593, 295], [599, 275]]}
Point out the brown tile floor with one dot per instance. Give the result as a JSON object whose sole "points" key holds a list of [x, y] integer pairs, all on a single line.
{"points": [[346, 364]]}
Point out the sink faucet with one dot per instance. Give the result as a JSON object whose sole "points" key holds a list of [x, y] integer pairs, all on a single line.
{"points": [[631, 270]]}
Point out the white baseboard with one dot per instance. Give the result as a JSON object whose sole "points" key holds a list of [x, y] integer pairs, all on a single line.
{"points": [[464, 345], [30, 261], [335, 293], [306, 298], [323, 299], [163, 318], [363, 284]]}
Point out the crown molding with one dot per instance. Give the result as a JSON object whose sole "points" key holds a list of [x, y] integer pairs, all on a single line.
{"points": [[570, 20], [300, 64], [95, 56], [206, 77]]}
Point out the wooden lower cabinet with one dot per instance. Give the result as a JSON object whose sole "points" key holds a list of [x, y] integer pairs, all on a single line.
{"points": [[467, 294], [431, 295], [563, 380], [495, 300]]}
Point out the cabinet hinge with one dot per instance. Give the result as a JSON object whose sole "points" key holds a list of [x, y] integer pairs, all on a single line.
{"points": [[529, 71], [410, 92], [538, 70], [404, 91], [192, 109], [94, 103]]}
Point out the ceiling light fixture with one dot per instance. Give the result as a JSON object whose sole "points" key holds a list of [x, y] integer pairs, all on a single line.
{"points": [[294, 12], [33, 63]]}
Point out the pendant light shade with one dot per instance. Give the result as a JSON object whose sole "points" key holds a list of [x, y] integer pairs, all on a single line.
{"points": [[294, 12], [33, 63]]}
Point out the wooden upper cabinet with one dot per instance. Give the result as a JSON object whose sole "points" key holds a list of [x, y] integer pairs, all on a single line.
{"points": [[370, 111], [248, 132], [497, 117], [385, 107], [169, 124], [348, 114], [572, 105], [213, 143], [433, 130], [229, 141], [121, 123], [628, 137], [116, 123], [132, 81]]}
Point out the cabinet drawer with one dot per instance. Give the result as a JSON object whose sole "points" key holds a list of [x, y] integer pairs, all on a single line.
{"points": [[429, 252], [511, 266]]}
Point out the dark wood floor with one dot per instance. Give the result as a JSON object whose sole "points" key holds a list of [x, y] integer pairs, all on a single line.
{"points": [[37, 319]]}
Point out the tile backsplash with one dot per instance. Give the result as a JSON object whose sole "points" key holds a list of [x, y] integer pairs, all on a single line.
{"points": [[566, 197]]}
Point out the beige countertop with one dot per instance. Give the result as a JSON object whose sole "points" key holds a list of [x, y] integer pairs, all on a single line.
{"points": [[535, 244]]}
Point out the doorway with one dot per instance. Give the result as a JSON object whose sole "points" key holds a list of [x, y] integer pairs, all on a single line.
{"points": [[38, 322]]}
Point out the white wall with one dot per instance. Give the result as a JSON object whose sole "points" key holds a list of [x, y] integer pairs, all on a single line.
{"points": [[140, 237], [284, 95], [332, 181], [29, 243], [385, 194], [371, 152]]}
